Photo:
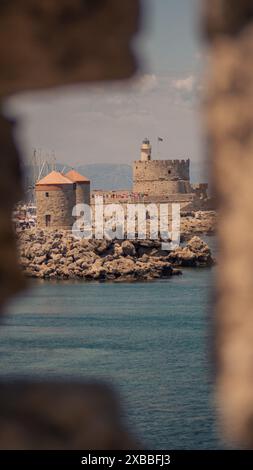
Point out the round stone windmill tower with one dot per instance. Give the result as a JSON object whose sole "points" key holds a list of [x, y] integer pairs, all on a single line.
{"points": [[55, 199], [82, 186]]}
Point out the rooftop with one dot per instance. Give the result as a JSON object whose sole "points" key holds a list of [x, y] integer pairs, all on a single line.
{"points": [[76, 177], [54, 178]]}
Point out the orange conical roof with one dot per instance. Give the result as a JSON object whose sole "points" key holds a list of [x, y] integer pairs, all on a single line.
{"points": [[75, 177], [55, 177]]}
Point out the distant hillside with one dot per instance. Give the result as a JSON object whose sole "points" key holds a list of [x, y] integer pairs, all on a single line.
{"points": [[103, 176], [108, 176]]}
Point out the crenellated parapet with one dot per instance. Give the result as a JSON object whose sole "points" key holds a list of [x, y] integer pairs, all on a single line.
{"points": [[161, 176]]}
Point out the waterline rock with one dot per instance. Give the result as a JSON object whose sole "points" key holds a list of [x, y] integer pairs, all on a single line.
{"points": [[58, 255]]}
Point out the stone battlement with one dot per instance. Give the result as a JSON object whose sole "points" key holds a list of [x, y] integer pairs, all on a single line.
{"points": [[164, 162], [159, 177]]}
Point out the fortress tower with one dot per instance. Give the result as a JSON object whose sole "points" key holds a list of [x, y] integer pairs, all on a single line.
{"points": [[82, 186], [160, 178], [55, 199]]}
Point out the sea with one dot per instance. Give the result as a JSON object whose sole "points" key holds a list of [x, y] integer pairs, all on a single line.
{"points": [[151, 340]]}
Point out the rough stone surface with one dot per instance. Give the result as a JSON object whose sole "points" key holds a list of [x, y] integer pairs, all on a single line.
{"points": [[161, 177], [196, 223], [196, 253], [128, 248], [229, 103], [227, 17], [60, 416], [58, 205], [58, 255], [54, 42], [82, 193], [10, 184]]}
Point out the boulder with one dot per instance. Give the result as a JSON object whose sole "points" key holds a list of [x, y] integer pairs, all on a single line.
{"points": [[63, 257], [128, 248], [40, 259], [198, 246], [102, 246], [118, 251], [196, 253]]}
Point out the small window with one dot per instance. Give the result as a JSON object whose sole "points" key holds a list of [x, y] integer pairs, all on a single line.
{"points": [[169, 172], [74, 186], [47, 194], [48, 220]]}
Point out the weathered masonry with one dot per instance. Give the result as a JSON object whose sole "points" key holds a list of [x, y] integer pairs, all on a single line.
{"points": [[160, 177], [82, 186]]}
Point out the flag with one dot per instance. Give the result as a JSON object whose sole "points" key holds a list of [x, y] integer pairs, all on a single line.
{"points": [[160, 139]]}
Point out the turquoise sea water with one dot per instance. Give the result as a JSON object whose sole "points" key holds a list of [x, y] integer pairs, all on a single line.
{"points": [[151, 340]]}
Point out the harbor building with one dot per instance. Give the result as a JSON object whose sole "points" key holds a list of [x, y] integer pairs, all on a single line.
{"points": [[56, 196]]}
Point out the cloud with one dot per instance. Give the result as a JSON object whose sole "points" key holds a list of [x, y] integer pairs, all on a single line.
{"points": [[199, 55], [185, 84], [106, 123], [146, 83], [187, 90]]}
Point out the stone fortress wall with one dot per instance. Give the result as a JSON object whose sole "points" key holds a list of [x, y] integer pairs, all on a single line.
{"points": [[161, 177]]}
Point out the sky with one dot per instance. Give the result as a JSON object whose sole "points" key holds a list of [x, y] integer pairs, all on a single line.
{"points": [[105, 123]]}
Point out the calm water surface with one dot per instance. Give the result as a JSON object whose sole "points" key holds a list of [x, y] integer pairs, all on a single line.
{"points": [[151, 340]]}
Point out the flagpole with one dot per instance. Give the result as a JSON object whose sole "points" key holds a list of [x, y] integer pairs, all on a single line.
{"points": [[158, 148], [159, 139]]}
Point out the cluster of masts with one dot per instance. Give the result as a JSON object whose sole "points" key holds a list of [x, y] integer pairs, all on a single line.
{"points": [[41, 164]]}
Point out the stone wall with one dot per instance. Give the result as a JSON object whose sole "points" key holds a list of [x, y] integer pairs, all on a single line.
{"points": [[128, 197], [161, 177], [52, 42], [58, 415], [229, 118], [59, 205], [10, 193], [82, 193]]}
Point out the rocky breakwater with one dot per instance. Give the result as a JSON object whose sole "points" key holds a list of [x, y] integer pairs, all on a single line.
{"points": [[58, 255], [197, 223]]}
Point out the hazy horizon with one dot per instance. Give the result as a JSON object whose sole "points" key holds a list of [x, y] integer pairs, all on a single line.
{"points": [[105, 123]]}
